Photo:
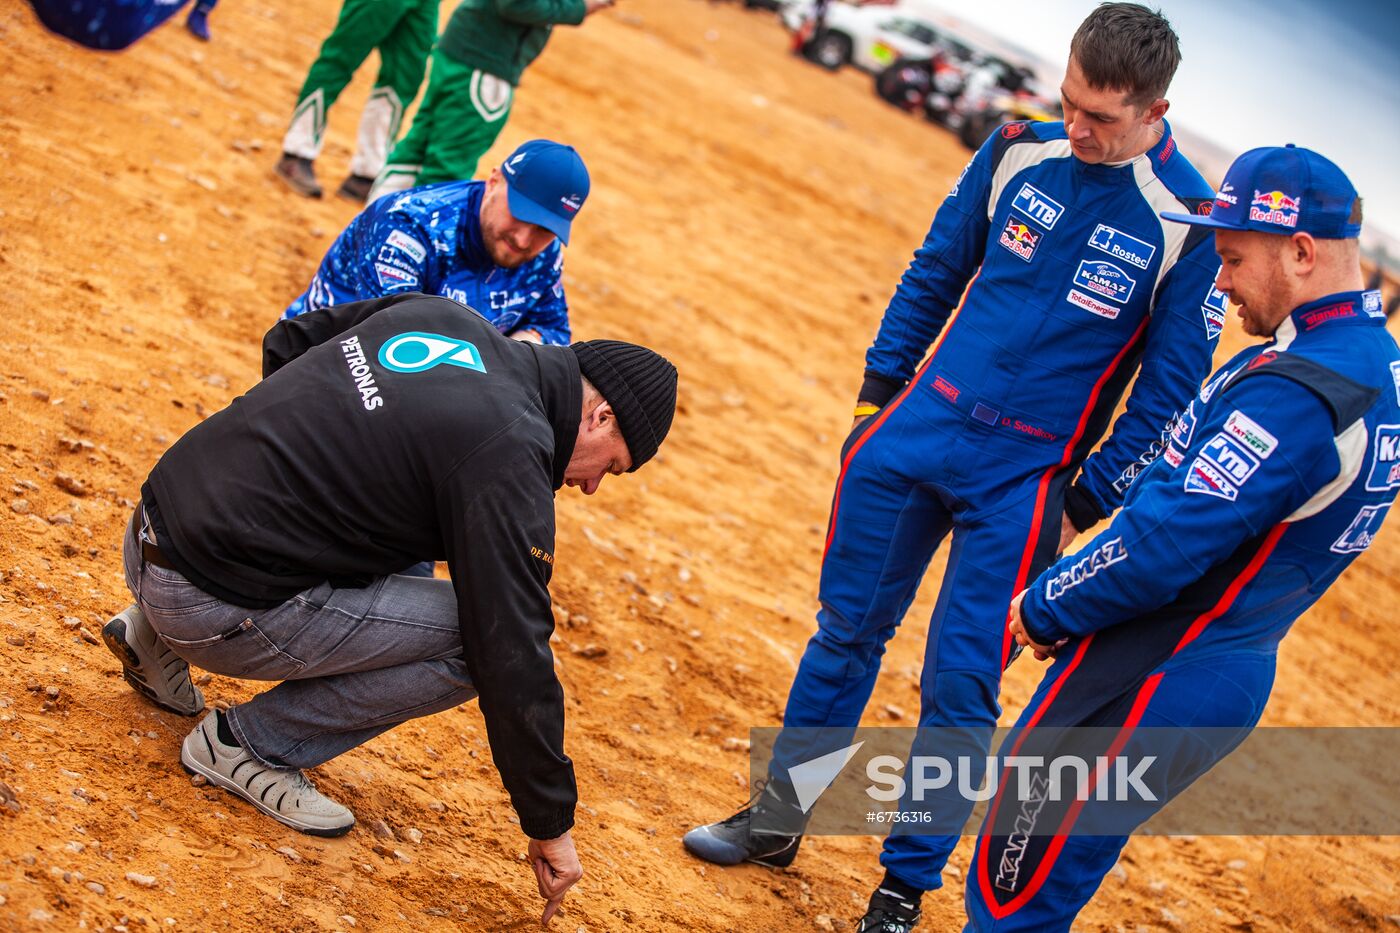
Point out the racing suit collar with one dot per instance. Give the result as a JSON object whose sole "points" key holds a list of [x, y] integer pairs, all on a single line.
{"points": [[471, 248], [1335, 310], [1161, 151]]}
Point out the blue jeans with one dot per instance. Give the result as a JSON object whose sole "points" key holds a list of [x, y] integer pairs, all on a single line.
{"points": [[352, 662]]}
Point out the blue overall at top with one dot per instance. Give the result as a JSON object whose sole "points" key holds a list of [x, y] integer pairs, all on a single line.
{"points": [[1071, 281], [429, 240], [1276, 477]]}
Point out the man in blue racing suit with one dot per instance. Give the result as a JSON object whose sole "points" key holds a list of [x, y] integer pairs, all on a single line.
{"points": [[1276, 477], [493, 246], [1046, 279]]}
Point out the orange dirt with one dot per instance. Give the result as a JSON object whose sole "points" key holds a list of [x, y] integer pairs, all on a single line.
{"points": [[750, 217]]}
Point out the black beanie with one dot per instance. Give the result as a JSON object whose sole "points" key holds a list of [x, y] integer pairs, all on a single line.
{"points": [[639, 384]]}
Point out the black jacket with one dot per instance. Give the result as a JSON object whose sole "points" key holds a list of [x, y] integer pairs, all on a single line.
{"points": [[365, 449]]}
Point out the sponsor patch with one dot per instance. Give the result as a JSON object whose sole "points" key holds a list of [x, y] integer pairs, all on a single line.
{"points": [[1213, 309], [946, 389], [1012, 130], [402, 241], [1385, 459], [1120, 245], [1371, 303], [393, 276], [1362, 530], [1275, 207], [1081, 300], [1105, 279], [1231, 457], [1183, 429], [1246, 430], [1019, 238], [1105, 555], [1038, 206], [1395, 375], [1204, 478]]}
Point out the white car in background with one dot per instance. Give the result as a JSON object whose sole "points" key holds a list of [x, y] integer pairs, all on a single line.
{"points": [[870, 37]]}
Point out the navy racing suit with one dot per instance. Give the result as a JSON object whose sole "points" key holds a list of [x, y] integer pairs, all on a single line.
{"points": [[1068, 282], [1275, 478], [429, 240]]}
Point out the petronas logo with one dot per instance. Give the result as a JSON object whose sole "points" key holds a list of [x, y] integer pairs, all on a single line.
{"points": [[415, 352]]}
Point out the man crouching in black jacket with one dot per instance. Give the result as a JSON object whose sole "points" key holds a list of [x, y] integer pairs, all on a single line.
{"points": [[384, 432]]}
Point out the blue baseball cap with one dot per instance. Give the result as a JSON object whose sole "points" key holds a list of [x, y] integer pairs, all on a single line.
{"points": [[546, 184], [1285, 190]]}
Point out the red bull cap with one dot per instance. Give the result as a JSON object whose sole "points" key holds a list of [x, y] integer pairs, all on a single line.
{"points": [[1284, 190]]}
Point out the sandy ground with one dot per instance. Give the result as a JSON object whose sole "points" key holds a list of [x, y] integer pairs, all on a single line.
{"points": [[750, 217]]}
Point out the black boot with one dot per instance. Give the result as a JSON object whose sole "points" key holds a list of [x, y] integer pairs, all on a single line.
{"points": [[767, 831], [893, 908]]}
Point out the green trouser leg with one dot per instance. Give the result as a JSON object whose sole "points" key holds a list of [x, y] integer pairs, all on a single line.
{"points": [[403, 31], [463, 111]]}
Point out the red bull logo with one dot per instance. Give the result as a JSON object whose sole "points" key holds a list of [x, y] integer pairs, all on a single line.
{"points": [[1274, 207], [1019, 238]]}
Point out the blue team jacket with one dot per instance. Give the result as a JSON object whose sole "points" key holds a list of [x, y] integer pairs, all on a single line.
{"points": [[429, 240], [1074, 280], [1275, 478]]}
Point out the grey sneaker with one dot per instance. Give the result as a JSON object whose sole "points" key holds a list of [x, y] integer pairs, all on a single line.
{"points": [[298, 174], [152, 669], [282, 793]]}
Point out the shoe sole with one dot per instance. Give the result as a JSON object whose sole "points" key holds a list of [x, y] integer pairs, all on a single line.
{"points": [[297, 186], [218, 780], [114, 637], [352, 196]]}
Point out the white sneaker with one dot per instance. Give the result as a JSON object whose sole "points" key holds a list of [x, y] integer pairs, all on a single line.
{"points": [[152, 669], [282, 793]]}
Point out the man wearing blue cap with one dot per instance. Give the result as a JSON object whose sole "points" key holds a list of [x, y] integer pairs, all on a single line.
{"points": [[490, 245], [1275, 478]]}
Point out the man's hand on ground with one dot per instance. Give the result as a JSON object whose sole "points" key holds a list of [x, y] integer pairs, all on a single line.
{"points": [[556, 869]]}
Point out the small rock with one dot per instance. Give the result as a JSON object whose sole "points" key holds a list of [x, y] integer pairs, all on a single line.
{"points": [[893, 712], [290, 853], [20, 506], [40, 394], [16, 640], [347, 920], [96, 888], [823, 922], [591, 651], [39, 915], [1169, 918], [60, 518], [70, 484], [198, 780], [145, 881], [1118, 873], [381, 830], [1237, 864], [9, 800], [415, 836], [735, 744], [74, 445], [88, 637], [52, 692]]}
